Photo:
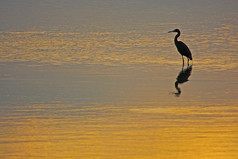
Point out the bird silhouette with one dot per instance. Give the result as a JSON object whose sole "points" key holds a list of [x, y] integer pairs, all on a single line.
{"points": [[181, 47]]}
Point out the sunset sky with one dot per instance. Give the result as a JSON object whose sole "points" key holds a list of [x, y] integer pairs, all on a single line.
{"points": [[26, 14]]}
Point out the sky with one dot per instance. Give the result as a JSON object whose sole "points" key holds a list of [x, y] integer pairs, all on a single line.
{"points": [[27, 14]]}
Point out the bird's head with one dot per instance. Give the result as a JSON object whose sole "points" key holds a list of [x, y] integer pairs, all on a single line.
{"points": [[175, 30]]}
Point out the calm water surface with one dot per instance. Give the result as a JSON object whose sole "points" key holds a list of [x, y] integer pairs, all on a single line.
{"points": [[108, 90]]}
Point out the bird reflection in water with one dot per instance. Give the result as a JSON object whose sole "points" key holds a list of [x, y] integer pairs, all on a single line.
{"points": [[182, 77]]}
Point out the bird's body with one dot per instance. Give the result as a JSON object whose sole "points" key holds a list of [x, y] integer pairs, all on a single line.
{"points": [[181, 47]]}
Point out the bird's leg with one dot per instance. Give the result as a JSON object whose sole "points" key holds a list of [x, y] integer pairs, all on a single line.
{"points": [[182, 68], [183, 60]]}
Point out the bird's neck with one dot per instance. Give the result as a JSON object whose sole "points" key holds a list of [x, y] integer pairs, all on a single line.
{"points": [[176, 37]]}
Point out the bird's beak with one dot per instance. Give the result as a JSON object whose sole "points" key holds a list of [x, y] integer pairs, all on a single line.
{"points": [[170, 31]]}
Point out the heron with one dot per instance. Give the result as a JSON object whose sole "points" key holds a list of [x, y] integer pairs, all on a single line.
{"points": [[181, 47]]}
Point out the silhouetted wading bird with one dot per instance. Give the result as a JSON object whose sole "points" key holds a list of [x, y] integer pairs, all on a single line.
{"points": [[182, 48]]}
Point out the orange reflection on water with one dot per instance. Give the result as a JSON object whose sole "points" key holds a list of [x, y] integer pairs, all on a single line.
{"points": [[64, 131], [215, 49], [201, 123]]}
